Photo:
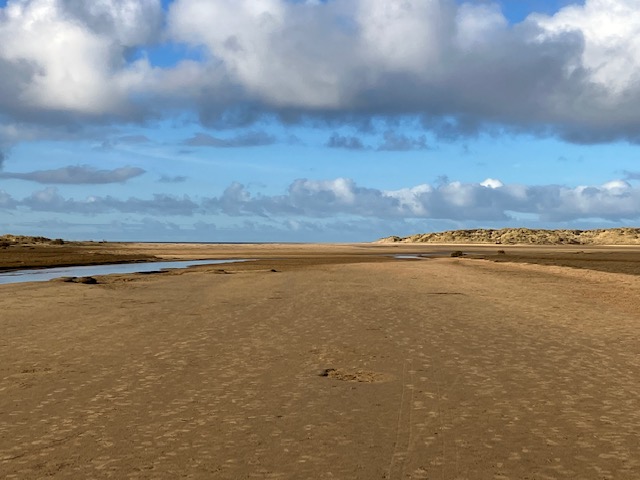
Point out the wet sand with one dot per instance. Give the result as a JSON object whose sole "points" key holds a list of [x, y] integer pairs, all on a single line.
{"points": [[343, 363]]}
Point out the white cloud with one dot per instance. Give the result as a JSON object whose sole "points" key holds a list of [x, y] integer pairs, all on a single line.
{"points": [[313, 200], [457, 201], [432, 58], [341, 188], [458, 67], [479, 24], [128, 22], [409, 198], [617, 186], [69, 55], [271, 48], [404, 35], [611, 33], [492, 183]]}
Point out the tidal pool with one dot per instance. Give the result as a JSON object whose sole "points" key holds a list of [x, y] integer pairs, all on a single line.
{"points": [[44, 274]]}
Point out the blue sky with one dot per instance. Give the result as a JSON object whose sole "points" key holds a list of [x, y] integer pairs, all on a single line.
{"points": [[340, 120]]}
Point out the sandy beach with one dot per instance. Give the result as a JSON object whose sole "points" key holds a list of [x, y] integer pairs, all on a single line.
{"points": [[328, 362]]}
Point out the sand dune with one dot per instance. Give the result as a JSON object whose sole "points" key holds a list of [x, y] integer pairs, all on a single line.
{"points": [[527, 236]]}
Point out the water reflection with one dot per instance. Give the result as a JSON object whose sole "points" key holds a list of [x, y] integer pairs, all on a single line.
{"points": [[44, 274], [420, 255]]}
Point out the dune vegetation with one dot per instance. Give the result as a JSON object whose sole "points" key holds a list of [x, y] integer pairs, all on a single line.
{"points": [[526, 236]]}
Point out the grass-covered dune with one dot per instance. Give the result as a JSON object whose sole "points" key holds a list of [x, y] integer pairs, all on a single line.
{"points": [[526, 236]]}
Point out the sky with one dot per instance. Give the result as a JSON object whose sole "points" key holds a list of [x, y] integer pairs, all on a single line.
{"points": [[316, 120]]}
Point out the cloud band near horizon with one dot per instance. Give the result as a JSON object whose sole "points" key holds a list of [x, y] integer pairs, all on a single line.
{"points": [[489, 201]]}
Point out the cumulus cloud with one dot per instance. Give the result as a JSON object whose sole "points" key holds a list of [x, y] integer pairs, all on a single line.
{"points": [[490, 200], [609, 29], [463, 69], [305, 200], [459, 67], [492, 183], [614, 201], [78, 175], [60, 58], [250, 40], [249, 139]]}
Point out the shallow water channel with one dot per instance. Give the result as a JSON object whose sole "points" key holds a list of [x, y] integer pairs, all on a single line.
{"points": [[418, 256], [44, 274]]}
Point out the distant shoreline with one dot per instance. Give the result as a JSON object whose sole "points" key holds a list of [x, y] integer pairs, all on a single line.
{"points": [[618, 258]]}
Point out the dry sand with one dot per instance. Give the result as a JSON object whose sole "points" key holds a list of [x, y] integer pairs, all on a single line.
{"points": [[342, 364]]}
